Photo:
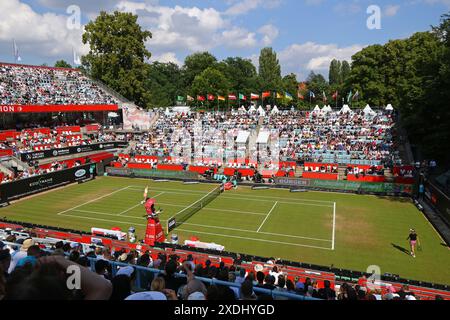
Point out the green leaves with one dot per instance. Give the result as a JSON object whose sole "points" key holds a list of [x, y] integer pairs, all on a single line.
{"points": [[117, 54]]}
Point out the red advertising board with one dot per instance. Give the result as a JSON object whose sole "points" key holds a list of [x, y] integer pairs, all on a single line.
{"points": [[57, 108]]}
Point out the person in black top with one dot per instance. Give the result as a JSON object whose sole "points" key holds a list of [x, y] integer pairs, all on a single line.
{"points": [[413, 241]]}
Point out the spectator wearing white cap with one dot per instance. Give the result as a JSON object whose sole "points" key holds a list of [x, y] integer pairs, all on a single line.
{"points": [[22, 253]]}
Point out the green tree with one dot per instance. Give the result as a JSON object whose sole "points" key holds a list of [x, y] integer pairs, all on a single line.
{"points": [[117, 54], [210, 81], [269, 71], [241, 73], [164, 84], [334, 75], [195, 64], [62, 64], [345, 70], [317, 84]]}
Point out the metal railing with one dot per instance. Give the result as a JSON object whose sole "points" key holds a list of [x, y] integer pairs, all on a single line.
{"points": [[140, 271]]}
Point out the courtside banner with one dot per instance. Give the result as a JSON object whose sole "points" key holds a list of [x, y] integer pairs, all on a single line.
{"points": [[57, 108], [151, 174], [438, 200], [21, 188], [351, 186], [37, 155]]}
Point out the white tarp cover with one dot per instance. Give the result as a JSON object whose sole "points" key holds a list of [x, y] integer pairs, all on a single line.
{"points": [[345, 109], [242, 137], [263, 137], [275, 110], [389, 107]]}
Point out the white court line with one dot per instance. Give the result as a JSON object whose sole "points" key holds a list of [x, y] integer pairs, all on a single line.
{"points": [[139, 204], [256, 198], [218, 210], [334, 226], [267, 216], [254, 239], [260, 200], [190, 224], [99, 198]]}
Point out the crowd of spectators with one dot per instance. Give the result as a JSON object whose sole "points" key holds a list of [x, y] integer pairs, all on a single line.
{"points": [[27, 85], [331, 137], [32, 272]]}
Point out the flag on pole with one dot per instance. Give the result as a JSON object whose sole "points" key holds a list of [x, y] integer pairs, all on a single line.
{"points": [[335, 95], [16, 53], [288, 96], [211, 97], [232, 97], [312, 94], [242, 97], [76, 58], [325, 99], [180, 98], [189, 98], [201, 98], [254, 96], [220, 98], [356, 96], [300, 96], [349, 97], [279, 96], [266, 94]]}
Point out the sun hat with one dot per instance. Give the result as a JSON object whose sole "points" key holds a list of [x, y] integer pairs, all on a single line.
{"points": [[126, 271], [27, 243]]}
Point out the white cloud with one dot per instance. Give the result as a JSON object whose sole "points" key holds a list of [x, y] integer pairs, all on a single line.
{"points": [[44, 34], [245, 6], [391, 10], [302, 58], [238, 38], [166, 58], [270, 33]]}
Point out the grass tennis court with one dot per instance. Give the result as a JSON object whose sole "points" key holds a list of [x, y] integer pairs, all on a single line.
{"points": [[344, 230]]}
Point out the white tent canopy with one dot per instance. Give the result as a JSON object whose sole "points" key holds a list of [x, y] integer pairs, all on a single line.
{"points": [[167, 111], [275, 110], [368, 110], [252, 109], [345, 109], [390, 107], [263, 137], [261, 111], [243, 109], [316, 109], [242, 137], [329, 108]]}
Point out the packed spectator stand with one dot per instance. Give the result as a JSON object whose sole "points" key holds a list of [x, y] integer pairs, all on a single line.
{"points": [[170, 272], [33, 85]]}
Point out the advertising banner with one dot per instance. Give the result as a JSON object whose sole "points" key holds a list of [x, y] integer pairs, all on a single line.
{"points": [[38, 155], [21, 188], [351, 186]]}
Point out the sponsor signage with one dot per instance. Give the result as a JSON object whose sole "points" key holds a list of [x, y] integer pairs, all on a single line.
{"points": [[171, 224], [38, 155], [372, 187], [438, 200], [21, 188], [143, 173], [57, 108]]}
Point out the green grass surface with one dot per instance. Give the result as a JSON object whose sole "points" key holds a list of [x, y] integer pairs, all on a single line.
{"points": [[368, 230]]}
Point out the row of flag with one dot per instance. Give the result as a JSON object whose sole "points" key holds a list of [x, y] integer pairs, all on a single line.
{"points": [[233, 97], [264, 95]]}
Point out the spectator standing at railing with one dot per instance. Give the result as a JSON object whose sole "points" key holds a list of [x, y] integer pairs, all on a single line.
{"points": [[20, 254]]}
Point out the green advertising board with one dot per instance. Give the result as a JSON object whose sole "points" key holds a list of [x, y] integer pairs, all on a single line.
{"points": [[151, 174], [349, 186]]}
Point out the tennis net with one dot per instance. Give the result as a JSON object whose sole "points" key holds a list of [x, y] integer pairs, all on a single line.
{"points": [[182, 216]]}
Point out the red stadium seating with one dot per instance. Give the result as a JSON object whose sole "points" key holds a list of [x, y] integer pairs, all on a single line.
{"points": [[366, 178]]}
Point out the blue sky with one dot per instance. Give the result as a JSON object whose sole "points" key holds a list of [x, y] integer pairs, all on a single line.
{"points": [[307, 34]]}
